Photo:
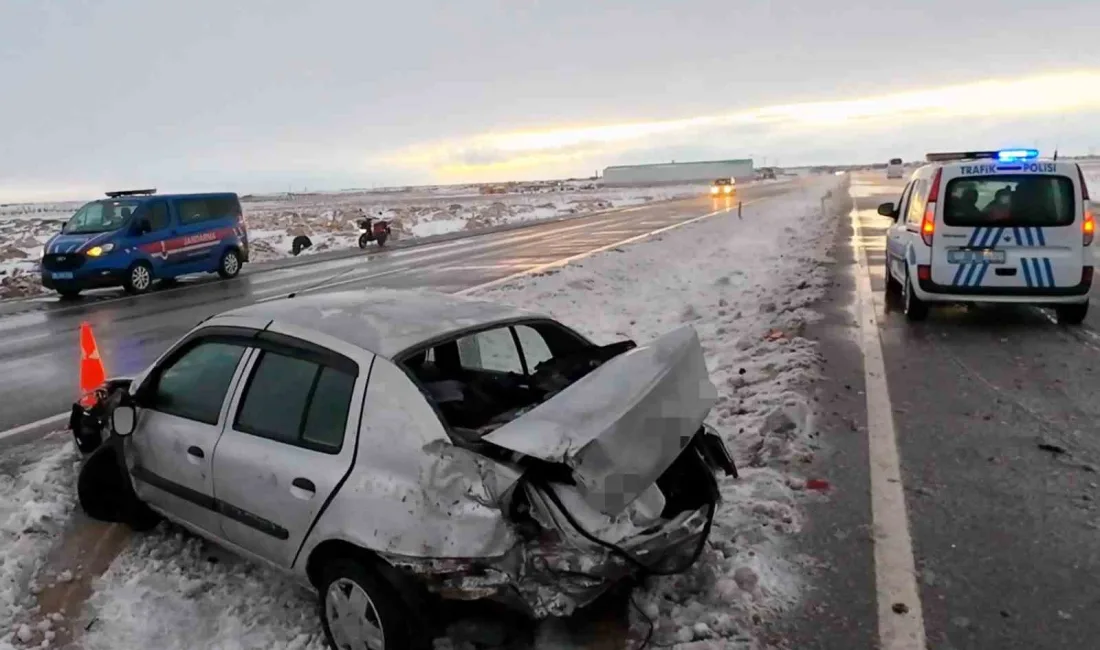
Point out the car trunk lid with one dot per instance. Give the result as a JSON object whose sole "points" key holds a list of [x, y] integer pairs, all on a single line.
{"points": [[622, 425]]}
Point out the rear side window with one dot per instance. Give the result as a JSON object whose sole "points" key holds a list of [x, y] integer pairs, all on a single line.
{"points": [[158, 216], [206, 209], [194, 385], [917, 201], [296, 402], [1010, 200]]}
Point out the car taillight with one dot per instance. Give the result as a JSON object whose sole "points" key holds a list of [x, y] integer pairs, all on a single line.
{"points": [[1086, 275], [1088, 228], [928, 222], [924, 272]]}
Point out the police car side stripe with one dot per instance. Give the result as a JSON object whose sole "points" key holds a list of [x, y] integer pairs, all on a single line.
{"points": [[1037, 269], [1050, 271], [1016, 236], [958, 274], [1027, 270], [1042, 238], [969, 272], [997, 238], [980, 274], [1030, 236], [974, 236]]}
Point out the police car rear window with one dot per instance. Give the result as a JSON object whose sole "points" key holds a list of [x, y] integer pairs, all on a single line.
{"points": [[1016, 200]]}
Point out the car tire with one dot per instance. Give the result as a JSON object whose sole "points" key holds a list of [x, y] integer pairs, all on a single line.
{"points": [[139, 278], [105, 493], [69, 294], [1071, 314], [230, 264], [348, 585], [915, 308]]}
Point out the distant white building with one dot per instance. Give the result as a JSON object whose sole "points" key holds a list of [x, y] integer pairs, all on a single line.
{"points": [[675, 172]]}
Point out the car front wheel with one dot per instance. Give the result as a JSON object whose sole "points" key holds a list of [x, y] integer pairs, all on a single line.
{"points": [[360, 610], [230, 264], [139, 278]]}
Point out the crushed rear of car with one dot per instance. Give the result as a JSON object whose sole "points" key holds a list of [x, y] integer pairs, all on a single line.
{"points": [[611, 475]]}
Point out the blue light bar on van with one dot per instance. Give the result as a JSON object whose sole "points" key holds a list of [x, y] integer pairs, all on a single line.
{"points": [[1012, 155]]}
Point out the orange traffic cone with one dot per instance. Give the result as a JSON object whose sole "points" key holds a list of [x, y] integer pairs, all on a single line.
{"points": [[92, 372]]}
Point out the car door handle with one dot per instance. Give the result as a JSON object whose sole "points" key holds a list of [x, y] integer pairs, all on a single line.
{"points": [[304, 484], [194, 454]]}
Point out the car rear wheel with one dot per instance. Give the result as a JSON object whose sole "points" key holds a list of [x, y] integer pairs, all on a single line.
{"points": [[139, 278], [1072, 314], [360, 610], [230, 264], [915, 308]]}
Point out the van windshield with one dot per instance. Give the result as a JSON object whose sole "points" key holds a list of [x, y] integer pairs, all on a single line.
{"points": [[895, 161], [100, 216], [1009, 200]]}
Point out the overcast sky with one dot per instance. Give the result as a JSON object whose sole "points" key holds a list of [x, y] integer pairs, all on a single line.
{"points": [[257, 95]]}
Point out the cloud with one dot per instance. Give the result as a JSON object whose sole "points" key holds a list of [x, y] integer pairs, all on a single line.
{"points": [[778, 127]]}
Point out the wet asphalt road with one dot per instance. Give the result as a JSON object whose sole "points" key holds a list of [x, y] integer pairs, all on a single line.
{"points": [[39, 351], [1006, 535]]}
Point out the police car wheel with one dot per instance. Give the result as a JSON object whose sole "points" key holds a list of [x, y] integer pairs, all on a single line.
{"points": [[915, 308], [230, 264], [1071, 314], [139, 278]]}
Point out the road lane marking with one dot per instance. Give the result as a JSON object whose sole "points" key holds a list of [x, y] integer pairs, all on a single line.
{"points": [[30, 426], [895, 568], [580, 256]]}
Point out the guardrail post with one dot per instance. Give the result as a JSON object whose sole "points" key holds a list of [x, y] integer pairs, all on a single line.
{"points": [[738, 209]]}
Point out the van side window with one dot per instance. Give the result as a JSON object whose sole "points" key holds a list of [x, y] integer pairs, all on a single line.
{"points": [[192, 211], [158, 216], [917, 203]]}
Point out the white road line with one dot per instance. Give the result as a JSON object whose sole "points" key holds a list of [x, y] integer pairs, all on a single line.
{"points": [[580, 256], [30, 426], [895, 569]]}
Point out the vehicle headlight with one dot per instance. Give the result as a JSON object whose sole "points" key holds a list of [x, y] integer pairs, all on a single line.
{"points": [[96, 251], [714, 190]]}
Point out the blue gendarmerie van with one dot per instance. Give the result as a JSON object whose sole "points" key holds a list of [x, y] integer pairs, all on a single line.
{"points": [[135, 237]]}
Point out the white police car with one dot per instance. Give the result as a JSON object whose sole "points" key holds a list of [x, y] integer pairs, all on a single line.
{"points": [[992, 226]]}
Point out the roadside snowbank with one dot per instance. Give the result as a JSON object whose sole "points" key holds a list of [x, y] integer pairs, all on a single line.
{"points": [[747, 286], [36, 500]]}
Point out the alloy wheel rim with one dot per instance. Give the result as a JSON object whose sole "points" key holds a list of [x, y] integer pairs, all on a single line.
{"points": [[230, 264], [140, 277], [352, 617]]}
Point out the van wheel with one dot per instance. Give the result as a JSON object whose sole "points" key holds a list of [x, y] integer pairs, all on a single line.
{"points": [[230, 264], [360, 610], [139, 278], [915, 308], [1071, 314]]}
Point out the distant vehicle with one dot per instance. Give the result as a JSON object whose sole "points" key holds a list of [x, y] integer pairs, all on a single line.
{"points": [[393, 448], [992, 226], [766, 173], [723, 187], [372, 230], [894, 169], [136, 237]]}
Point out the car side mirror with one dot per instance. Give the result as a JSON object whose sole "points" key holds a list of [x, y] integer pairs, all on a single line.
{"points": [[123, 420], [887, 210]]}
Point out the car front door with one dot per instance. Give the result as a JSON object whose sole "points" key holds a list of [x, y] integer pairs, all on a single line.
{"points": [[182, 411], [897, 235], [152, 230], [288, 446]]}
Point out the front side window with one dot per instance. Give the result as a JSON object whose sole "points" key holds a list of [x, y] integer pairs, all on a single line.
{"points": [[297, 402], [493, 350], [193, 386], [158, 216], [100, 216], [535, 349]]}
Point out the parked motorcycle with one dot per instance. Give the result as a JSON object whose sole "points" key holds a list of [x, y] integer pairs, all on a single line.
{"points": [[373, 230]]}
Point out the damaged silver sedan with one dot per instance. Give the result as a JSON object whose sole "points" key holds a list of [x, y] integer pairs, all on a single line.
{"points": [[394, 448]]}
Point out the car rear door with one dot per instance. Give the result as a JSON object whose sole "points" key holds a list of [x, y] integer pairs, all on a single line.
{"points": [[1009, 228], [198, 236], [288, 445]]}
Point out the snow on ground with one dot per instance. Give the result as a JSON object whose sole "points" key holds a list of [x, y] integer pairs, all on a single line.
{"points": [[748, 288], [36, 500], [331, 219]]}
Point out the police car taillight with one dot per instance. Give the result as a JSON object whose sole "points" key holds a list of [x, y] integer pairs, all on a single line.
{"points": [[1088, 228], [928, 223]]}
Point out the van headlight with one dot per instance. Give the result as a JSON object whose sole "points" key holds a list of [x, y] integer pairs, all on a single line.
{"points": [[96, 251]]}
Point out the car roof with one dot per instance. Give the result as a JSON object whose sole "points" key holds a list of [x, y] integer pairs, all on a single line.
{"points": [[383, 321]]}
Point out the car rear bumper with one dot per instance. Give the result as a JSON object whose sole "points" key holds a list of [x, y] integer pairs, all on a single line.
{"points": [[933, 292]]}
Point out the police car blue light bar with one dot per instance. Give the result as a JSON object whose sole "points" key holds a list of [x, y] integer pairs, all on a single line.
{"points": [[1010, 155]]}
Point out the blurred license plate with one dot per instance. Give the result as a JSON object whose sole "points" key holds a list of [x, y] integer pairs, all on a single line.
{"points": [[972, 257], [62, 276]]}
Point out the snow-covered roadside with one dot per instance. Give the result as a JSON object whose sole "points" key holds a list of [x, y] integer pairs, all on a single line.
{"points": [[36, 500], [748, 288], [746, 285]]}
